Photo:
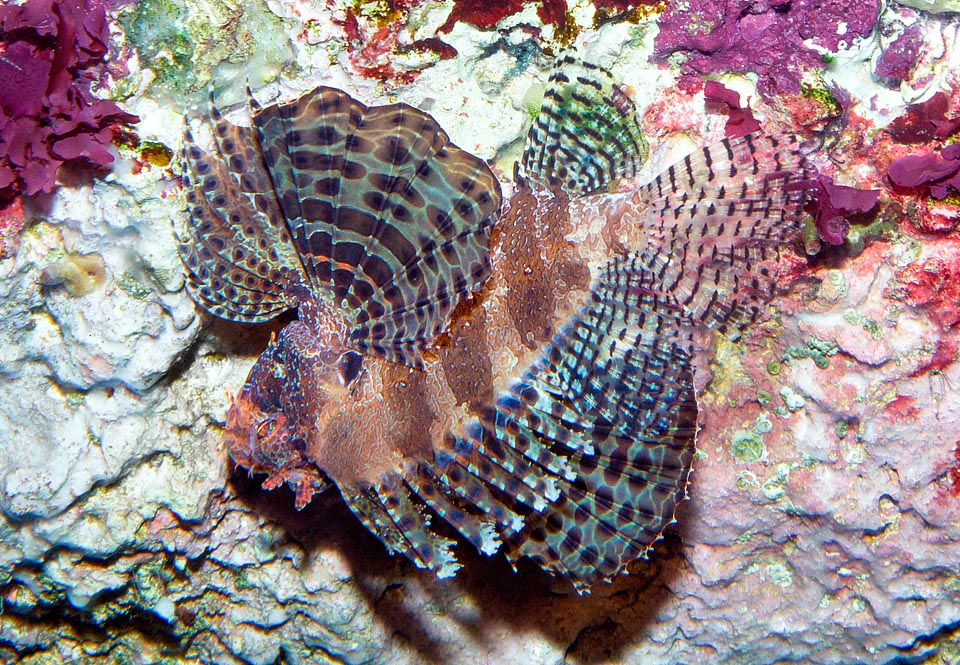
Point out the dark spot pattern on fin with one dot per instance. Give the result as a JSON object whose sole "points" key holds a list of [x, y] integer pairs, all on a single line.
{"points": [[581, 464], [390, 219], [586, 136], [235, 248], [581, 461]]}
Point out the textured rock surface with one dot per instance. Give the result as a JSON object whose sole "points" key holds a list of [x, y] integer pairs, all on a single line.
{"points": [[93, 318], [824, 521], [729, 36]]}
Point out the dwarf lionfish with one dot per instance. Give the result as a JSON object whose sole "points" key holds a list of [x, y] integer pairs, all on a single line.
{"points": [[527, 380]]}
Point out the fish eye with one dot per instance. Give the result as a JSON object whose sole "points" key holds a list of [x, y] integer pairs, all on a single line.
{"points": [[266, 428], [349, 366]]}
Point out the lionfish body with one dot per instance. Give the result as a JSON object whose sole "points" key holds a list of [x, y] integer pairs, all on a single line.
{"points": [[525, 379]]}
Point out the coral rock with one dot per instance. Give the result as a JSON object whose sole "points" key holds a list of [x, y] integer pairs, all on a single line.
{"points": [[766, 38]]}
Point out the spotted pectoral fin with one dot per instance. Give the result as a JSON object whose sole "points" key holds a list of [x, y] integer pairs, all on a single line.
{"points": [[239, 259], [390, 218], [624, 368], [586, 136], [716, 222], [581, 464]]}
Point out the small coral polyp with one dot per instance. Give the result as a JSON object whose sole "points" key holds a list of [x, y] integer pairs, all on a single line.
{"points": [[78, 274], [533, 392]]}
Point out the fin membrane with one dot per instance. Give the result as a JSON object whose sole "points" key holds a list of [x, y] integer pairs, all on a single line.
{"points": [[391, 220], [623, 366], [235, 246], [716, 221], [586, 136], [582, 463], [388, 511]]}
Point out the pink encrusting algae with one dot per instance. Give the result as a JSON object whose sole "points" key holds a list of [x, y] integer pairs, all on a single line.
{"points": [[768, 39]]}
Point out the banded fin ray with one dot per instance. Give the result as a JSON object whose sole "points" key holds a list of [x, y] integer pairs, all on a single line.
{"points": [[478, 529], [586, 136], [239, 259], [388, 511], [582, 461], [582, 500], [629, 375], [715, 222]]}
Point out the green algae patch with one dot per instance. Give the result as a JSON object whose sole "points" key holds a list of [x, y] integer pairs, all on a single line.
{"points": [[793, 400], [157, 29], [816, 349], [378, 12], [747, 447], [842, 428], [884, 226], [779, 572], [187, 44], [872, 327], [155, 154], [533, 100], [133, 287], [820, 93]]}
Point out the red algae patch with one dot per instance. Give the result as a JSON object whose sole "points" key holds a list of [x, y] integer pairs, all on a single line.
{"points": [[770, 39], [48, 115], [12, 221], [933, 282]]}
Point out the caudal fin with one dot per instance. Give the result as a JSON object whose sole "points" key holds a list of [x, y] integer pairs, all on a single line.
{"points": [[586, 135]]}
